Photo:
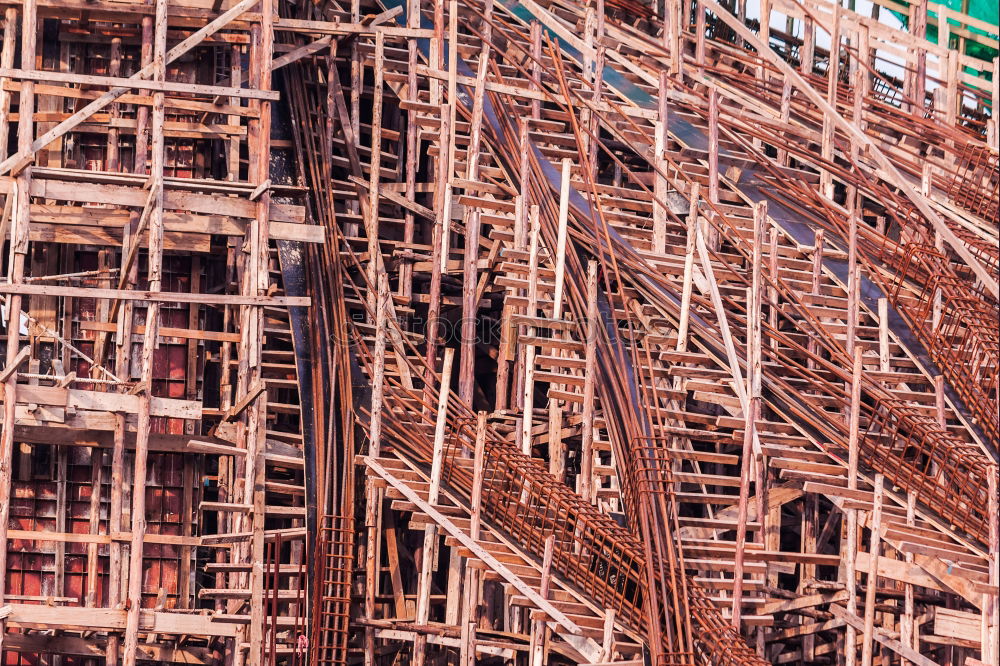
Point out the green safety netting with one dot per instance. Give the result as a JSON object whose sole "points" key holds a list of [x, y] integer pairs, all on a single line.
{"points": [[984, 10]]}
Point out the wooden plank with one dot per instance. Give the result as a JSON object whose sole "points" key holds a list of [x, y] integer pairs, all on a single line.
{"points": [[133, 195], [958, 624], [898, 570], [95, 647], [74, 537], [45, 617], [105, 401], [165, 331], [153, 297], [784, 606], [138, 84]]}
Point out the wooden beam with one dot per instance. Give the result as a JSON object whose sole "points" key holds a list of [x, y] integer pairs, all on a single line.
{"points": [[38, 616], [12, 366], [116, 82], [153, 296], [244, 402]]}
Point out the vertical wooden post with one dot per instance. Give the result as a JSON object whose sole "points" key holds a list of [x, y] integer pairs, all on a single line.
{"points": [[659, 170], [852, 515], [952, 96], [854, 270], [765, 23], [685, 23], [874, 550], [61, 473], [588, 56], [436, 52], [410, 173], [939, 403], [590, 371], [257, 283], [687, 287], [672, 30], [786, 114], [858, 77], [817, 275], [751, 413], [992, 125], [470, 270], [509, 352], [713, 146], [699, 30], [557, 453], [372, 492], [506, 350], [191, 479], [430, 531], [883, 335], [810, 518], [539, 628], [375, 169], [536, 67], [529, 348], [233, 150], [772, 293], [18, 247], [97, 490], [608, 637], [906, 623], [557, 302], [991, 605], [451, 108], [598, 81], [832, 80], [7, 62], [357, 74], [149, 341], [118, 584], [453, 591], [470, 610], [112, 163], [442, 210], [807, 53], [452, 80], [919, 28]]}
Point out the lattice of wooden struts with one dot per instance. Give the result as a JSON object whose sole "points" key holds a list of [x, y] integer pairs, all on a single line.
{"points": [[841, 505]]}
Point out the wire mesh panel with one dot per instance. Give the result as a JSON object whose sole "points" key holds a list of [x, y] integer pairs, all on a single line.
{"points": [[957, 324], [521, 498], [915, 453], [976, 187]]}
